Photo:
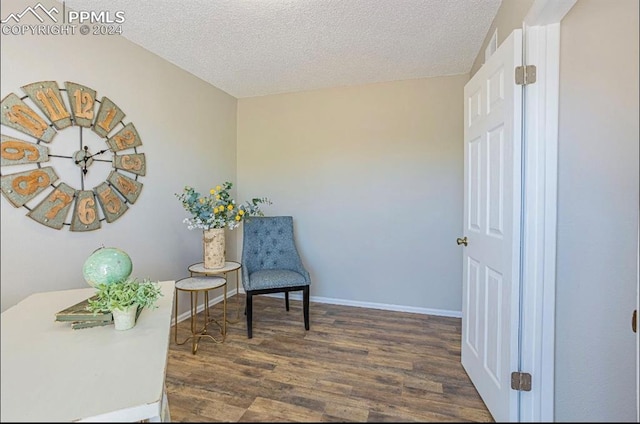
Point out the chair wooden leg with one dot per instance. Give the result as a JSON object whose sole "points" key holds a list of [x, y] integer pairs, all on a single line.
{"points": [[249, 310], [305, 306], [286, 300]]}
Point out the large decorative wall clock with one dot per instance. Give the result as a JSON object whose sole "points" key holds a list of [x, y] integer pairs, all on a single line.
{"points": [[76, 137]]}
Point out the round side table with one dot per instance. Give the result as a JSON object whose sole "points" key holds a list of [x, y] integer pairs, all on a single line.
{"points": [[193, 286], [229, 266]]}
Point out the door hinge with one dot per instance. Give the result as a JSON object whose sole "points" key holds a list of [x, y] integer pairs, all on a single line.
{"points": [[521, 381], [525, 74]]}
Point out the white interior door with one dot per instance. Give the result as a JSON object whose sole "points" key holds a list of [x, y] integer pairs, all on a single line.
{"points": [[492, 206]]}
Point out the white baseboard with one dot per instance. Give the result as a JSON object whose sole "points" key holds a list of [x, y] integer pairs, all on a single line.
{"points": [[332, 301], [372, 305]]}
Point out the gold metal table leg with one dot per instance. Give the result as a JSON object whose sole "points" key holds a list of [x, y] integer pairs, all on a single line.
{"points": [[223, 324], [196, 335], [237, 294]]}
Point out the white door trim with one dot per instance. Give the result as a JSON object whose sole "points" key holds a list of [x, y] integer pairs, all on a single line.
{"points": [[545, 12], [541, 29], [539, 223]]}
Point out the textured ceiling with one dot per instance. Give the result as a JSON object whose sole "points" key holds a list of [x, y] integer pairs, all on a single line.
{"points": [[258, 47]]}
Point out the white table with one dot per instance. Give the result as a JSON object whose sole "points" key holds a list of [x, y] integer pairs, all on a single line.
{"points": [[51, 372]]}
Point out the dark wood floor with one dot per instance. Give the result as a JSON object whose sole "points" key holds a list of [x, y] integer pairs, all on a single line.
{"points": [[354, 364]]}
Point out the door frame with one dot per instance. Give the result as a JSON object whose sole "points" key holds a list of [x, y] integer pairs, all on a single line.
{"points": [[541, 39]]}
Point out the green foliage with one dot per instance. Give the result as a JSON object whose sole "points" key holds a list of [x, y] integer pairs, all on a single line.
{"points": [[218, 209], [125, 293]]}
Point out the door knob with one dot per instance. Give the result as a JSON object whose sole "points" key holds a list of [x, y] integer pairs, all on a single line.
{"points": [[462, 240]]}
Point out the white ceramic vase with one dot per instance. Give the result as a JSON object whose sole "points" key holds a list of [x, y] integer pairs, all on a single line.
{"points": [[125, 319]]}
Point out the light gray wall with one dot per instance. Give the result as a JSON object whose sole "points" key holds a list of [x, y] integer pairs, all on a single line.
{"points": [[598, 201], [373, 178], [188, 130], [597, 212], [367, 175]]}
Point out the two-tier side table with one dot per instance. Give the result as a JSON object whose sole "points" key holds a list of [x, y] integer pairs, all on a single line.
{"points": [[194, 286], [229, 266]]}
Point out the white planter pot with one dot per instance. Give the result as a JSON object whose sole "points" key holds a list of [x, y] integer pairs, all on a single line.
{"points": [[124, 320]]}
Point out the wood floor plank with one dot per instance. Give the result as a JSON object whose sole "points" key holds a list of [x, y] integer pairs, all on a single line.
{"points": [[345, 412], [281, 411], [353, 365]]}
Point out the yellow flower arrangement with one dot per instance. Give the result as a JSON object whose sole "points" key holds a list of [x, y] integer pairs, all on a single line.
{"points": [[218, 209]]}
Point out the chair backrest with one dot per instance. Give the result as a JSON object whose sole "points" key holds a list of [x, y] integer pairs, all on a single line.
{"points": [[268, 243]]}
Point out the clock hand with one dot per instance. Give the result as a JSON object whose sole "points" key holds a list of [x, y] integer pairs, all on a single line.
{"points": [[84, 158], [96, 154], [87, 157], [83, 175]]}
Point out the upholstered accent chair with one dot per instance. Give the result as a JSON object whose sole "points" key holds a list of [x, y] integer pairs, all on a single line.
{"points": [[271, 263]]}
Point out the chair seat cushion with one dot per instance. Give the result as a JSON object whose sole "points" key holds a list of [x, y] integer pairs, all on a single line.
{"points": [[272, 278]]}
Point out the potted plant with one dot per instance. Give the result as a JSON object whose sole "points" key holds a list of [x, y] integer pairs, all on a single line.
{"points": [[123, 299], [213, 213]]}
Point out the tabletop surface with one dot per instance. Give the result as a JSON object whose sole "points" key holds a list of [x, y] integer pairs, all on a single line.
{"points": [[51, 372], [200, 283], [228, 266]]}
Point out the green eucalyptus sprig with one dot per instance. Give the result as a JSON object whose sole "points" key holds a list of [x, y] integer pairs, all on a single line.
{"points": [[125, 293]]}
